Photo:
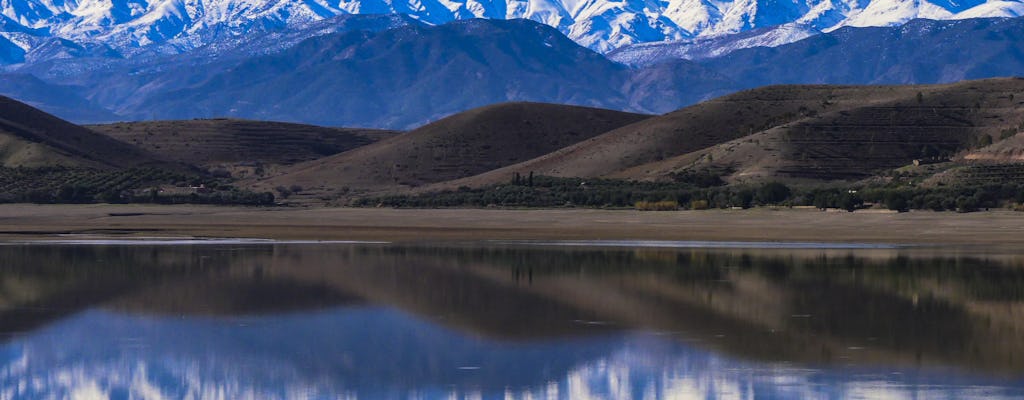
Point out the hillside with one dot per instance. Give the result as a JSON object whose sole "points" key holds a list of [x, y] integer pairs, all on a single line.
{"points": [[32, 138], [815, 132], [1009, 150], [232, 141], [400, 78], [461, 145], [920, 52], [938, 121], [690, 129]]}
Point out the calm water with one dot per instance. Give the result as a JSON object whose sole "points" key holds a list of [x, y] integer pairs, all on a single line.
{"points": [[512, 320]]}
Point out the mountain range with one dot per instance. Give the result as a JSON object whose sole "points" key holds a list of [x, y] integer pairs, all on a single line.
{"points": [[394, 73], [33, 29], [400, 66]]}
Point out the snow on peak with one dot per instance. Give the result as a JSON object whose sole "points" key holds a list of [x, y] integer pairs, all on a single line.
{"points": [[125, 26]]}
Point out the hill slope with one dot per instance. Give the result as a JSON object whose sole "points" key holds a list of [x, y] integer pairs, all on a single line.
{"points": [[689, 129], [921, 51], [945, 121], [229, 141], [461, 145], [32, 138], [791, 132]]}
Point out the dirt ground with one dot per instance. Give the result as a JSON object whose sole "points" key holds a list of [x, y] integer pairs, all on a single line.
{"points": [[997, 228]]}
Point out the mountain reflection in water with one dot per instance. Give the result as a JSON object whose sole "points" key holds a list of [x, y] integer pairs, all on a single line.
{"points": [[499, 321]]}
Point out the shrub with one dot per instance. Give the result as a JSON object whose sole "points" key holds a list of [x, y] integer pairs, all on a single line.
{"points": [[981, 141], [665, 205], [743, 198], [701, 179], [773, 193], [896, 201], [850, 201], [966, 204], [699, 205]]}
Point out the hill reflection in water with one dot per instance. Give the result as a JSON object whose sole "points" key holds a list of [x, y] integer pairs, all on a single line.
{"points": [[381, 321]]}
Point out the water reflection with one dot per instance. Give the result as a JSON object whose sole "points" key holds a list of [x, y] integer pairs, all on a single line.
{"points": [[377, 321]]}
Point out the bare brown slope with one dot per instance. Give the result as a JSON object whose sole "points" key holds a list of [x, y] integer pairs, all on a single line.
{"points": [[1009, 150], [217, 141], [690, 129], [823, 127], [32, 138], [461, 145], [858, 142]]}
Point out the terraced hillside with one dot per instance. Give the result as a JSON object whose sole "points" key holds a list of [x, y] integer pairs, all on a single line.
{"points": [[32, 138], [1009, 148], [690, 129], [932, 122], [794, 132], [976, 173], [230, 141], [465, 144]]}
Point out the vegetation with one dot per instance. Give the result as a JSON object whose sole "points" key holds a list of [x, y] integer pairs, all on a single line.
{"points": [[665, 205], [603, 193], [134, 185]]}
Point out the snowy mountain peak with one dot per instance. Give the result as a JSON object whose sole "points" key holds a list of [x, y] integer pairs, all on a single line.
{"points": [[130, 26]]}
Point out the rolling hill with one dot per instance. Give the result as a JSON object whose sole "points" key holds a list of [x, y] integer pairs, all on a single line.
{"points": [[795, 133], [689, 130], [458, 146], [32, 138], [923, 122], [233, 141]]}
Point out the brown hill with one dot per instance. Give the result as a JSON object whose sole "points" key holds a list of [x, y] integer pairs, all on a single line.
{"points": [[230, 141], [794, 132], [944, 121], [32, 138], [458, 146]]}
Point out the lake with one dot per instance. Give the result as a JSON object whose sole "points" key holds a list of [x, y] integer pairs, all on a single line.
{"points": [[571, 320]]}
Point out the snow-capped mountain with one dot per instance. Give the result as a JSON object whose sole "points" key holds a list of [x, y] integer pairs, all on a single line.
{"points": [[47, 29], [644, 54]]}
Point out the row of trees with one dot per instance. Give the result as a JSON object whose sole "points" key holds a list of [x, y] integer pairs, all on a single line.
{"points": [[572, 192], [557, 192]]}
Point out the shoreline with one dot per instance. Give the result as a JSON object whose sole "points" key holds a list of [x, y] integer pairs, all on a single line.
{"points": [[31, 222]]}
